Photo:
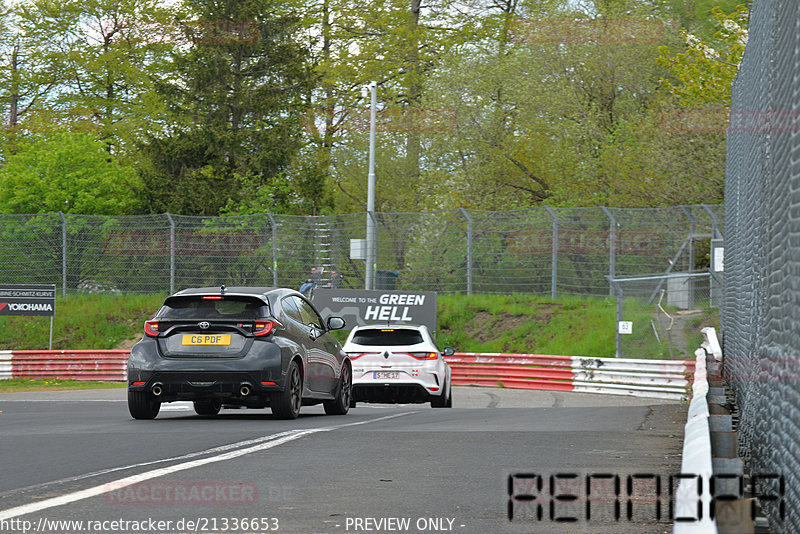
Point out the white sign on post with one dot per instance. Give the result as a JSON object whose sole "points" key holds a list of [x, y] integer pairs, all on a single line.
{"points": [[626, 327], [358, 249], [719, 259]]}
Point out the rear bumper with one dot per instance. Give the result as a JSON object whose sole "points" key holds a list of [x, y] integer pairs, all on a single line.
{"points": [[394, 393], [196, 385], [195, 379], [411, 384]]}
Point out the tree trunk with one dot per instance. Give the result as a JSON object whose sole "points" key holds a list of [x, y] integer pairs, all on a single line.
{"points": [[412, 122], [13, 115]]}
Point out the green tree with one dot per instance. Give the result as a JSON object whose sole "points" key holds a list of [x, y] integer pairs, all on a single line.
{"points": [[703, 73], [398, 44], [64, 171], [562, 103], [28, 71], [235, 101], [92, 60]]}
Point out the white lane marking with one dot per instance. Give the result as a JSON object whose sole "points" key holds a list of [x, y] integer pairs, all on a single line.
{"points": [[115, 485], [213, 450]]}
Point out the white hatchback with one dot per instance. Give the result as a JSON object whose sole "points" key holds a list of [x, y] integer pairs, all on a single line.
{"points": [[398, 364]]}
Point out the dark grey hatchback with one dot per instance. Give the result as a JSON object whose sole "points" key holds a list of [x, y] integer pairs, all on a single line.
{"points": [[241, 347]]}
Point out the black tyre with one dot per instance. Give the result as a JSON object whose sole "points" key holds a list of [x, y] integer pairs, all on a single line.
{"points": [[286, 404], [341, 405], [143, 405], [442, 402], [207, 406]]}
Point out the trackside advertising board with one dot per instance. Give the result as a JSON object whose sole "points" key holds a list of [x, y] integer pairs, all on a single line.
{"points": [[360, 307], [32, 300]]}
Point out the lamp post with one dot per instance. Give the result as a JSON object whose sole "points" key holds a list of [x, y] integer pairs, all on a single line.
{"points": [[369, 279]]}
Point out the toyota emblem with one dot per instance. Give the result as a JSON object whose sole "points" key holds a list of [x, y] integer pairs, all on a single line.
{"points": [[203, 325]]}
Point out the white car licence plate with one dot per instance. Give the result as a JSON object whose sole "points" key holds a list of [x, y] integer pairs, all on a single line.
{"points": [[380, 375]]}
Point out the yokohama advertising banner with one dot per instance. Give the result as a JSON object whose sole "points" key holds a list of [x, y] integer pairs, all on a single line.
{"points": [[35, 300]]}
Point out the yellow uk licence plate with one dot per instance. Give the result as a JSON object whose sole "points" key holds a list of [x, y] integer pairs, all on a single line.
{"points": [[206, 339]]}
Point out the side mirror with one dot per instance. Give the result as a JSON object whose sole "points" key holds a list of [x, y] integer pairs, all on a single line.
{"points": [[335, 323], [448, 351]]}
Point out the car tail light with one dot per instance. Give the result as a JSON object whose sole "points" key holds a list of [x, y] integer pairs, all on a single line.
{"points": [[151, 328], [264, 328], [357, 355], [424, 355]]}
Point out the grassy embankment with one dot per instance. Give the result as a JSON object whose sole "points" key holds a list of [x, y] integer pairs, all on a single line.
{"points": [[480, 323]]}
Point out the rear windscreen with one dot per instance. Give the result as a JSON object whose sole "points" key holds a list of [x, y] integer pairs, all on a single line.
{"points": [[387, 336], [199, 307]]}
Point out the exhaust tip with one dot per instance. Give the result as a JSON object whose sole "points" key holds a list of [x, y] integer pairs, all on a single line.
{"points": [[245, 390], [157, 390]]}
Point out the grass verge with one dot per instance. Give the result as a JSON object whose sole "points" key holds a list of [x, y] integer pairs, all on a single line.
{"points": [[82, 321], [527, 324], [15, 385], [518, 323]]}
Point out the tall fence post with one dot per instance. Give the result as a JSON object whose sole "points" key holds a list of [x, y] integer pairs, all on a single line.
{"points": [[171, 254], [612, 250], [274, 249], [554, 273], [469, 249], [715, 235], [372, 252], [714, 222], [693, 229], [63, 253], [618, 335]]}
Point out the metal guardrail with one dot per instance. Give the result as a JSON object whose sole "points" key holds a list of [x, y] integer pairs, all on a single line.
{"points": [[666, 379], [108, 365], [696, 459], [5, 364]]}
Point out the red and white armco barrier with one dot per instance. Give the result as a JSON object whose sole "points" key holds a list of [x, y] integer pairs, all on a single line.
{"points": [[666, 379], [5, 364], [68, 364]]}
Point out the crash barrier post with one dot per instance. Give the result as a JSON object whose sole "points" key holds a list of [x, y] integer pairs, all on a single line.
{"points": [[108, 365], [710, 456], [696, 461], [665, 379]]}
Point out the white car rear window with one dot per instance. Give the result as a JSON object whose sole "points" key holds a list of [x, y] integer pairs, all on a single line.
{"points": [[213, 307], [387, 336]]}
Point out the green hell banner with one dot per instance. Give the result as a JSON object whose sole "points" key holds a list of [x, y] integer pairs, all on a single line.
{"points": [[378, 307]]}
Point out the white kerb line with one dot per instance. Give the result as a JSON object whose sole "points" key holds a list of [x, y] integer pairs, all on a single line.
{"points": [[95, 491]]}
